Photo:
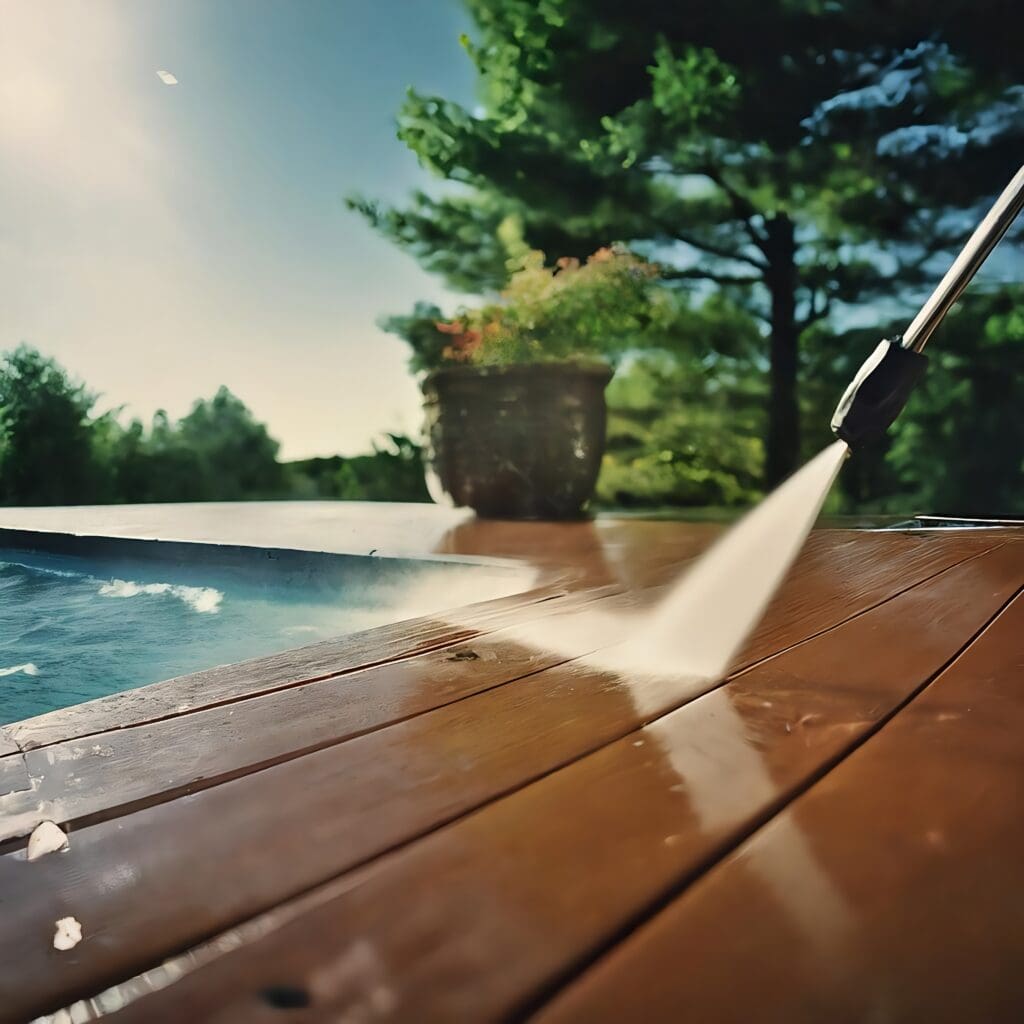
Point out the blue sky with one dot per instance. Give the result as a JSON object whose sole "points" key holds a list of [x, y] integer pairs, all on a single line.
{"points": [[163, 240]]}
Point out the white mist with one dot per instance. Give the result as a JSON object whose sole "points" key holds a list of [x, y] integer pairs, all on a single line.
{"points": [[688, 640]]}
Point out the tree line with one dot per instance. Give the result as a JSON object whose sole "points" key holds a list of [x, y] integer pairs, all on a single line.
{"points": [[681, 432], [56, 450]]}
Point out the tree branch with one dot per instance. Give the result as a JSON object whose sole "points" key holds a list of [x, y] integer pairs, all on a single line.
{"points": [[815, 312], [742, 207], [714, 250], [697, 274]]}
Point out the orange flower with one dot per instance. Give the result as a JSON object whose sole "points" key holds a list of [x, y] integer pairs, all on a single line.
{"points": [[448, 328], [603, 255], [463, 345]]}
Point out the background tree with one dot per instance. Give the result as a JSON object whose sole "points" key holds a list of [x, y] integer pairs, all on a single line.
{"points": [[237, 456], [217, 452], [55, 451], [161, 466], [48, 442], [392, 472], [802, 156], [686, 429], [963, 449]]}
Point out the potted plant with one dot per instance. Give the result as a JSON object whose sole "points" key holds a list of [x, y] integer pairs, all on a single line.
{"points": [[515, 394]]}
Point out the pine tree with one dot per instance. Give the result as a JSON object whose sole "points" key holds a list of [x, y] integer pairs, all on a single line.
{"points": [[802, 156]]}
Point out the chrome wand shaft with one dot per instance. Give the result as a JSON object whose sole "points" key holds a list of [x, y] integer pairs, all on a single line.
{"points": [[881, 387], [966, 265]]}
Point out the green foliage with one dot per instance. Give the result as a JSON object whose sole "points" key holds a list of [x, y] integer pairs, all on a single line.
{"points": [[53, 451], [781, 151], [236, 455], [419, 330], [600, 308], [48, 449], [393, 472], [427, 227], [696, 91], [686, 415], [678, 435], [218, 452]]}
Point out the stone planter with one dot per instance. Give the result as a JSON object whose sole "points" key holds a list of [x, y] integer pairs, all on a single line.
{"points": [[517, 442]]}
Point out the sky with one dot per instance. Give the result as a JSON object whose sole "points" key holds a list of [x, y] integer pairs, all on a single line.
{"points": [[161, 240]]}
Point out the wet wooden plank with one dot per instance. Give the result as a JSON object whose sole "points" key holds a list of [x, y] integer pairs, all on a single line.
{"points": [[107, 773], [478, 916], [14, 780], [848, 569], [111, 772], [621, 555], [592, 557], [910, 901], [630, 552], [275, 672], [13, 771]]}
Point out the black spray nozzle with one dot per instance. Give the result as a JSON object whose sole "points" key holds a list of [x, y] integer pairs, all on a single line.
{"points": [[877, 393], [883, 384]]}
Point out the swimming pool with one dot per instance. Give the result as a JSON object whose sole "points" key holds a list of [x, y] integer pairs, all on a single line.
{"points": [[81, 618]]}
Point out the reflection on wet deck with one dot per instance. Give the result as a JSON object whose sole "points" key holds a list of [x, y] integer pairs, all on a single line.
{"points": [[489, 817]]}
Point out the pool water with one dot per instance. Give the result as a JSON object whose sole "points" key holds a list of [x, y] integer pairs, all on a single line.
{"points": [[74, 628]]}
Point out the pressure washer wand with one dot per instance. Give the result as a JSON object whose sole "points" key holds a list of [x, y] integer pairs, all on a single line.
{"points": [[881, 387]]}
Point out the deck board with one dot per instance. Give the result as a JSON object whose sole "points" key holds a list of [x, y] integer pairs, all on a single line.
{"points": [[82, 779], [287, 669], [841, 572], [884, 561], [913, 909], [533, 881], [108, 773]]}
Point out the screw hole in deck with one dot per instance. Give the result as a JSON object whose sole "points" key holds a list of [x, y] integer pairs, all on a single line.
{"points": [[285, 997]]}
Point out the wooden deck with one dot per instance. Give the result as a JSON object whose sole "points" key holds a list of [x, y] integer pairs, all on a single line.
{"points": [[434, 822]]}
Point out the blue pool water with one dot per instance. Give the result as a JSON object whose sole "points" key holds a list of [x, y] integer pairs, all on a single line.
{"points": [[74, 628]]}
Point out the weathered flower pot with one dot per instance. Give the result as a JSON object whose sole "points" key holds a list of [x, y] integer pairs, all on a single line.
{"points": [[517, 442]]}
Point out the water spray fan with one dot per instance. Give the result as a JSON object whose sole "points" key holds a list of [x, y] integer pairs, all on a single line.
{"points": [[881, 387]]}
